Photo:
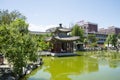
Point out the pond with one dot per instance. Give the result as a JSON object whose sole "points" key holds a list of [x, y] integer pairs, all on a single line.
{"points": [[78, 68]]}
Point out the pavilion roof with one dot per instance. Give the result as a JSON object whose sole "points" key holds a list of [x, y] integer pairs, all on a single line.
{"points": [[61, 29], [64, 29], [74, 38]]}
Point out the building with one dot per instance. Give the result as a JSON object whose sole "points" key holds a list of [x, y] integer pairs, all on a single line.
{"points": [[101, 34], [92, 28], [61, 41], [103, 31], [110, 30], [88, 26], [101, 37]]}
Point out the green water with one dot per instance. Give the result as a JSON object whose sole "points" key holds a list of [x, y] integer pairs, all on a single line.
{"points": [[77, 68]]}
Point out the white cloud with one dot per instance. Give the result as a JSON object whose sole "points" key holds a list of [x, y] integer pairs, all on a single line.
{"points": [[40, 28]]}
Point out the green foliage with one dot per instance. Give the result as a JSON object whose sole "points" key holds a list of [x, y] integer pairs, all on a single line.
{"points": [[93, 44], [16, 44], [85, 41], [42, 44], [76, 31], [108, 40], [112, 39], [92, 40], [7, 17], [118, 36]]}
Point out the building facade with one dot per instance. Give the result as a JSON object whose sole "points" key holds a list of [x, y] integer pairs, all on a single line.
{"points": [[92, 28], [110, 30], [101, 34], [88, 26]]}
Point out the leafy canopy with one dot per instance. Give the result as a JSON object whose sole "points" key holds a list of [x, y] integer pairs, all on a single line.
{"points": [[15, 41], [76, 31]]}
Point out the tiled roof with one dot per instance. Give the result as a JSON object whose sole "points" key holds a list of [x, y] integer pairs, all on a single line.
{"points": [[63, 38], [61, 29]]}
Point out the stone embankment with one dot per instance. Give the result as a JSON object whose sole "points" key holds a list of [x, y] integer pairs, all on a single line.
{"points": [[6, 72]]}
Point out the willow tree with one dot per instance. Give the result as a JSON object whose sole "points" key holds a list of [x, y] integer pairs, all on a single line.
{"points": [[112, 39], [76, 31], [108, 40]]}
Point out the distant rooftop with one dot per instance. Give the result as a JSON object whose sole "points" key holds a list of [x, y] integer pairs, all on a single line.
{"points": [[38, 33], [83, 22]]}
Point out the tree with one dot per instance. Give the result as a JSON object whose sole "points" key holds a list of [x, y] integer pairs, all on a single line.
{"points": [[118, 36], [15, 41], [112, 39], [76, 31], [85, 42], [17, 46], [118, 41], [92, 40], [108, 40], [42, 44], [7, 17]]}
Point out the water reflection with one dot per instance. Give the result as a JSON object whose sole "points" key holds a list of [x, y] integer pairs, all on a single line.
{"points": [[39, 76], [114, 64], [79, 68], [61, 68]]}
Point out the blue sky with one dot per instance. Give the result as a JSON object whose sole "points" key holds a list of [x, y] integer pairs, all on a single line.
{"points": [[42, 13]]}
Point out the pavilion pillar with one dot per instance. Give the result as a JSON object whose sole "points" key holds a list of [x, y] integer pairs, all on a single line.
{"points": [[71, 46]]}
